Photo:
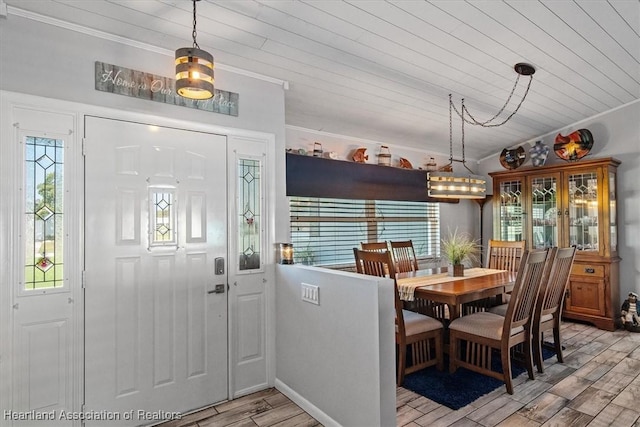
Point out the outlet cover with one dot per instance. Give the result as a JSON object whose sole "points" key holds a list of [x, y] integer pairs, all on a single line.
{"points": [[311, 293]]}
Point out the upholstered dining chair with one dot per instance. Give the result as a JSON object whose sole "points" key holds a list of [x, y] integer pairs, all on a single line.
{"points": [[404, 256], [421, 334], [475, 338], [548, 309]]}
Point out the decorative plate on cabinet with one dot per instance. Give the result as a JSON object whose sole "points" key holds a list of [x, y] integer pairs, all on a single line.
{"points": [[574, 146], [512, 158]]}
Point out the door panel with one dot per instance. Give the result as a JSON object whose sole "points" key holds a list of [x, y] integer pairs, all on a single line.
{"points": [[42, 345], [251, 275], [156, 209]]}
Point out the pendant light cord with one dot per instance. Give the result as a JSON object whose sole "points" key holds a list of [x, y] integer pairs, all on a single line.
{"points": [[451, 159], [193, 34]]}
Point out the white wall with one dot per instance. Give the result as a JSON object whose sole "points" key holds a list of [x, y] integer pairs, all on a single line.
{"points": [[615, 134], [337, 359], [49, 61]]}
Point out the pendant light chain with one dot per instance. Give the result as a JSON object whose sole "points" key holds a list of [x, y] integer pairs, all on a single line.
{"points": [[463, 109], [450, 131], [488, 123], [193, 34], [448, 184], [194, 68]]}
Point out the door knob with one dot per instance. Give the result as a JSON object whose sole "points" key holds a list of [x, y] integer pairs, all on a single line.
{"points": [[219, 289]]}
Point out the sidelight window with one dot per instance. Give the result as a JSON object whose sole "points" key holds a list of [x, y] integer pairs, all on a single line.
{"points": [[44, 206], [249, 214]]}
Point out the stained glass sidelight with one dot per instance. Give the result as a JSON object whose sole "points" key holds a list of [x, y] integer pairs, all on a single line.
{"points": [[511, 210], [44, 197], [249, 204], [163, 221]]}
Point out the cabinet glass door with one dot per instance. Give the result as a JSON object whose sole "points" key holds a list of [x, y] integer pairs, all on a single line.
{"points": [[583, 211], [511, 227], [545, 214], [613, 213]]}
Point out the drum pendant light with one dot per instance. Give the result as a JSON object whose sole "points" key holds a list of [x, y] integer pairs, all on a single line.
{"points": [[194, 69]]}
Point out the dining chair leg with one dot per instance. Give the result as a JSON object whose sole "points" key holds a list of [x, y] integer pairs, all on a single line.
{"points": [[557, 343], [440, 361], [402, 361], [453, 353], [528, 354], [505, 356], [537, 351]]}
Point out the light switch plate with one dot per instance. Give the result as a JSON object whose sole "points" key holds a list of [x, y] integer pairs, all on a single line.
{"points": [[311, 293]]}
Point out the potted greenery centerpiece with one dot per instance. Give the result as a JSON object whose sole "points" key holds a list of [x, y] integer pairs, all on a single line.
{"points": [[456, 248]]}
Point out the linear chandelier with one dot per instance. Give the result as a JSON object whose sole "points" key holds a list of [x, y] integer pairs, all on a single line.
{"points": [[445, 183], [194, 69]]}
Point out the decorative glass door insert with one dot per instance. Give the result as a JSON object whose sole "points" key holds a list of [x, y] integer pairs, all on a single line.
{"points": [[545, 214], [613, 215], [44, 228], [249, 211], [583, 211], [511, 210], [162, 217]]}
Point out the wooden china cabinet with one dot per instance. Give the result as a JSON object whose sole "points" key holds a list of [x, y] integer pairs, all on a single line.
{"points": [[569, 204]]}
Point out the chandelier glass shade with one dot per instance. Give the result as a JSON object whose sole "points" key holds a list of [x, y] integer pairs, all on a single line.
{"points": [[194, 69]]}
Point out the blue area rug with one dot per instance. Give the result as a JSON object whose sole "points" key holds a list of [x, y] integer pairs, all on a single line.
{"points": [[462, 387]]}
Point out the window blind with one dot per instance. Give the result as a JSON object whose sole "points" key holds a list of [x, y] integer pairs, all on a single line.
{"points": [[324, 231]]}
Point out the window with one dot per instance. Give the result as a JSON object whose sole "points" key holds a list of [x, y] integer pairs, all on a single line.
{"points": [[325, 231], [44, 231], [249, 221], [162, 217]]}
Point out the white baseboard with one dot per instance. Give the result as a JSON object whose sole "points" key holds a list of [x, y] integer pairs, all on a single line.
{"points": [[308, 407]]}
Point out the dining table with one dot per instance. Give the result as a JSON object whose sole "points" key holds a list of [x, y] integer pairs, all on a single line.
{"points": [[439, 287]]}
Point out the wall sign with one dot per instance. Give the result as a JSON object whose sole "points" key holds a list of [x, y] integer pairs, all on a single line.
{"points": [[138, 84]]}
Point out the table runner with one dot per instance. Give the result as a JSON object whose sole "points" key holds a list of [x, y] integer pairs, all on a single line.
{"points": [[407, 286]]}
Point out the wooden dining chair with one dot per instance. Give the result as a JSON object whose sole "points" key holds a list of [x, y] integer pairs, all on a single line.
{"points": [[474, 338], [504, 255], [548, 309], [501, 255], [404, 256], [374, 246], [421, 334]]}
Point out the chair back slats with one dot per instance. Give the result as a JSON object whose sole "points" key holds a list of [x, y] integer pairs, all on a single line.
{"points": [[380, 264], [526, 289], [553, 295], [374, 246], [504, 255], [404, 256]]}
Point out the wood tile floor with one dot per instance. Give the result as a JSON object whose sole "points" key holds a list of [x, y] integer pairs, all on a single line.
{"points": [[598, 385]]}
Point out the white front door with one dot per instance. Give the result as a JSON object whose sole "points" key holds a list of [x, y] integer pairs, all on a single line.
{"points": [[156, 276]]}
